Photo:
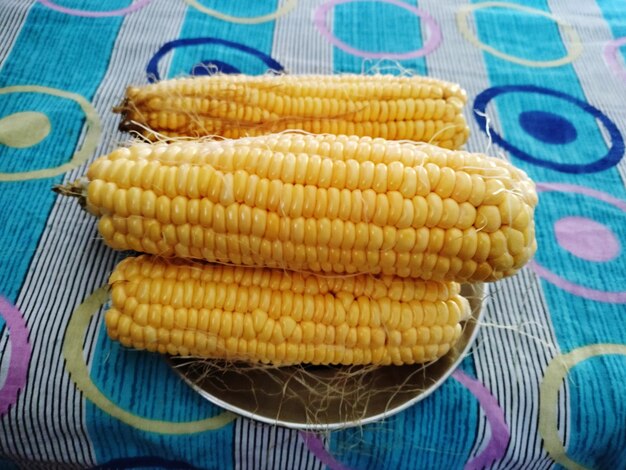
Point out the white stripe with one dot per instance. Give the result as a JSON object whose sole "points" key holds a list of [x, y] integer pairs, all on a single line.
{"points": [[259, 445], [12, 17], [514, 349], [298, 46], [75, 263]]}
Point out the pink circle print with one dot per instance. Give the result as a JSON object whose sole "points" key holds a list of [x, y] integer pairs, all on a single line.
{"points": [[434, 36], [580, 236], [21, 350], [96, 14], [587, 239]]}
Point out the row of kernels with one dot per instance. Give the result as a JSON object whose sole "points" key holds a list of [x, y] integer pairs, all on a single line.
{"points": [[390, 88], [344, 147], [301, 209], [256, 326], [255, 251], [169, 121], [309, 169], [391, 130], [324, 173], [223, 109], [346, 86], [288, 169], [150, 179], [227, 333], [299, 236], [390, 286], [363, 313], [144, 299], [281, 354], [381, 110]]}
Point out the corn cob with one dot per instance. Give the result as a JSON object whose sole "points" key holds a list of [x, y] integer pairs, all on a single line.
{"points": [[281, 317], [325, 203], [395, 108]]}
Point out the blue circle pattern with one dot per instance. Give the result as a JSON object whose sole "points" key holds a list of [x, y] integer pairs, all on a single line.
{"points": [[152, 69], [610, 159], [548, 127]]}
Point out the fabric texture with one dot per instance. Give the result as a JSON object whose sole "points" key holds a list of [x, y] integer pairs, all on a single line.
{"points": [[542, 386]]}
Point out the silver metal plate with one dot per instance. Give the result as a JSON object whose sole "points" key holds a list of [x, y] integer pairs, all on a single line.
{"points": [[326, 397]]}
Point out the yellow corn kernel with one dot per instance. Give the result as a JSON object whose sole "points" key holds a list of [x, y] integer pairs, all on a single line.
{"points": [[373, 208], [396, 108], [269, 325]]}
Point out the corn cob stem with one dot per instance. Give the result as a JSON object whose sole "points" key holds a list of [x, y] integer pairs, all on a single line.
{"points": [[281, 317], [77, 189]]}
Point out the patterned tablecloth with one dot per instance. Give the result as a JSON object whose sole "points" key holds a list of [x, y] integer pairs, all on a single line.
{"points": [[543, 386]]}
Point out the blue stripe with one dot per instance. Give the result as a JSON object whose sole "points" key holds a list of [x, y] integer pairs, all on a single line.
{"points": [[576, 321], [376, 27], [597, 421], [605, 276], [85, 47], [148, 388], [142, 383]]}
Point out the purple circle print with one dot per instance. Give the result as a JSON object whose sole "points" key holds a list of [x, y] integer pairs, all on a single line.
{"points": [[21, 350], [96, 14], [434, 37], [584, 244], [587, 239], [611, 49]]}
